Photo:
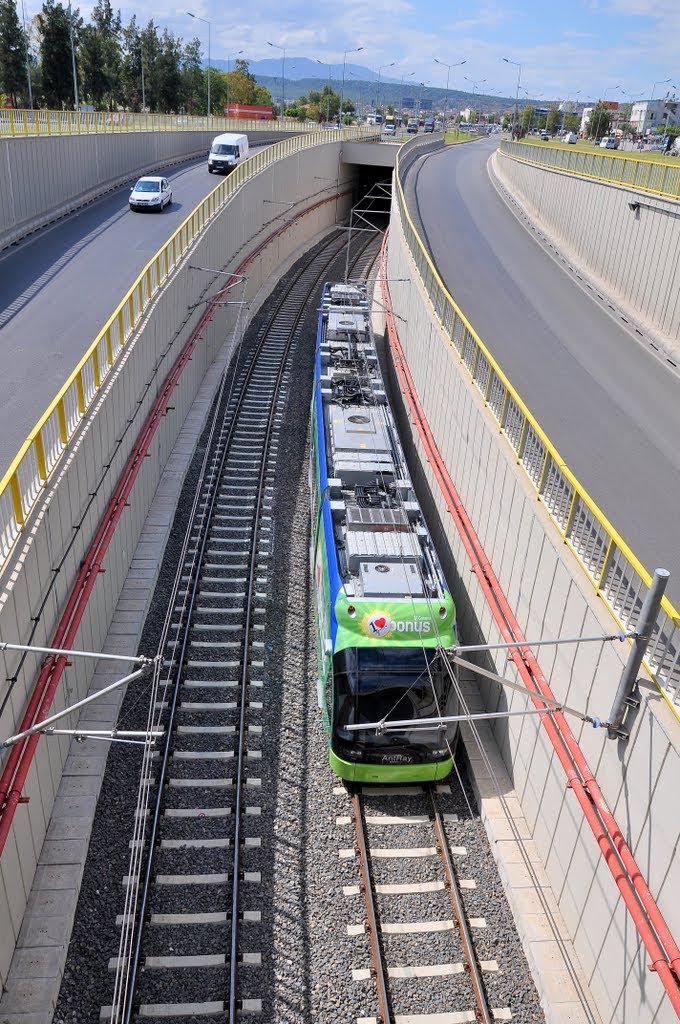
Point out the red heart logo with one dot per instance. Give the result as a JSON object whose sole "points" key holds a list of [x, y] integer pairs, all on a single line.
{"points": [[379, 623]]}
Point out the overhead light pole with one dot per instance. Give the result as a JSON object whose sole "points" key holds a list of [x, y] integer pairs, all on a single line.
{"points": [[474, 88], [519, 76], [664, 81], [377, 95], [411, 74], [328, 95], [205, 22], [73, 57], [448, 72], [28, 59], [420, 96], [141, 66], [342, 92], [283, 75], [229, 56]]}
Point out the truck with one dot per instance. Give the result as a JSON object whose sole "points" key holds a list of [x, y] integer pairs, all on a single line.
{"points": [[226, 152], [428, 125]]}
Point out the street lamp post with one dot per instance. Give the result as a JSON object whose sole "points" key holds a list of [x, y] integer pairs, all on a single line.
{"points": [[205, 22], [342, 91], [360, 91], [73, 57], [420, 96], [229, 56], [141, 66], [28, 60], [411, 74], [328, 95], [474, 88], [448, 72], [377, 95], [519, 75], [664, 81], [283, 75]]}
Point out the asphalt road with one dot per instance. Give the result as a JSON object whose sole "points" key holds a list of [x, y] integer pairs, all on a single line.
{"points": [[608, 405], [58, 289]]}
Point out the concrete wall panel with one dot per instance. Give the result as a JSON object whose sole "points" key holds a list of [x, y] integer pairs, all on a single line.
{"points": [[46, 177], [551, 598]]}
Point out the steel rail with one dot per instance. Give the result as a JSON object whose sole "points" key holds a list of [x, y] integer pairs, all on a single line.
{"points": [[485, 1013], [379, 970]]}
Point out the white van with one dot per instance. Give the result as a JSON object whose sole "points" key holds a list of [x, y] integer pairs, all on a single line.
{"points": [[227, 151], [609, 142], [570, 137]]}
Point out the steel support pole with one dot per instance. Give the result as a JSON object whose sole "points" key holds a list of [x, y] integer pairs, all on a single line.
{"points": [[648, 616]]}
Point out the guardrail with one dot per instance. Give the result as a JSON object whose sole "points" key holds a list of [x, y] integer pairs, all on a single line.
{"points": [[18, 123], [654, 176], [617, 575], [22, 483]]}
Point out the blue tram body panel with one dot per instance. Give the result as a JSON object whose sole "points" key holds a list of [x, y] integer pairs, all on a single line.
{"points": [[384, 614]]}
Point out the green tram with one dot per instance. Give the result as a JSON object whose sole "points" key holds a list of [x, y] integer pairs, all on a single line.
{"points": [[384, 614]]}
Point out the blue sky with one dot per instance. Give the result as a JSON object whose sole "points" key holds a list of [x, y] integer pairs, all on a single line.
{"points": [[579, 49]]}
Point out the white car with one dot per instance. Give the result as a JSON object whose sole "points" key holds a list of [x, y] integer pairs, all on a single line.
{"points": [[150, 194], [390, 129]]}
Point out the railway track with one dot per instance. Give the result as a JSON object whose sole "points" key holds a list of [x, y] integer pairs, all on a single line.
{"points": [[190, 940], [424, 963]]}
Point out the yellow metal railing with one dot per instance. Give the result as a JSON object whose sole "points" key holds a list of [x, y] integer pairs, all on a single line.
{"points": [[617, 575], [18, 123], [22, 483], [661, 177]]}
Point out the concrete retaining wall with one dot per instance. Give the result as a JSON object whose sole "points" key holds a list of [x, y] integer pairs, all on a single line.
{"points": [[551, 598], [34, 589], [633, 254], [45, 178]]}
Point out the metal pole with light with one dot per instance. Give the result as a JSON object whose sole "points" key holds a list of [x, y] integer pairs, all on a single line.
{"points": [[519, 75], [411, 74], [342, 92], [141, 64], [448, 72], [474, 89], [420, 96], [205, 22], [664, 81], [377, 96], [73, 57], [28, 60], [328, 96], [283, 75], [229, 56]]}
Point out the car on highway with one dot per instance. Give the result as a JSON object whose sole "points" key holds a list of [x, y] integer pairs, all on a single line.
{"points": [[390, 129], [412, 127], [609, 142], [150, 194]]}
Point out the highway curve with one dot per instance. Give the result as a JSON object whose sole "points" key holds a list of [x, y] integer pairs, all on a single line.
{"points": [[608, 404]]}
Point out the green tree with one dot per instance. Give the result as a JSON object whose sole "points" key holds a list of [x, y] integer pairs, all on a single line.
{"points": [[55, 52], [599, 122], [572, 123], [552, 119], [194, 84], [168, 73], [526, 118], [100, 56], [13, 48]]}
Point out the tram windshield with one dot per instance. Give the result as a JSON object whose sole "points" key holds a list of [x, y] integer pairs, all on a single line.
{"points": [[376, 683]]}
